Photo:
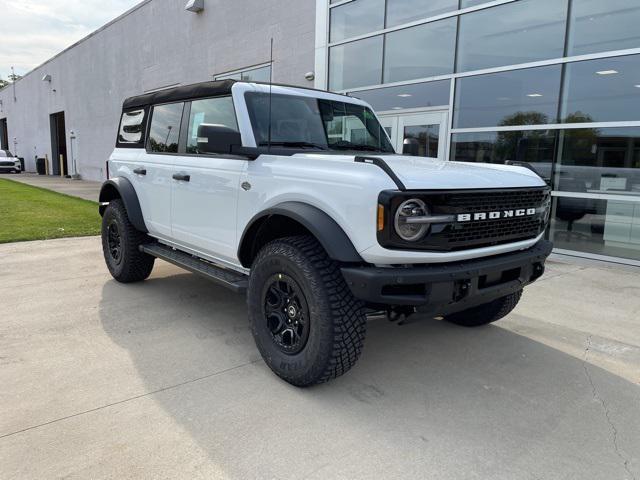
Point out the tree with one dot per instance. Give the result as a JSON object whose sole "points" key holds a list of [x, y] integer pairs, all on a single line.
{"points": [[3, 83]]}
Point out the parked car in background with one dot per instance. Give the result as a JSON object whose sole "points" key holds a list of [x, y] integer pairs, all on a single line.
{"points": [[9, 163]]}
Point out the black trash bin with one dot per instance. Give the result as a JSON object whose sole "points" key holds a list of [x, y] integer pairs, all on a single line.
{"points": [[40, 167], [21, 163]]}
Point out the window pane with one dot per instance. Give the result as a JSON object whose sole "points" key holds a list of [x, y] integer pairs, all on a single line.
{"points": [[533, 149], [519, 32], [214, 111], [600, 160], [403, 11], [165, 128], [407, 55], [229, 76], [407, 96], [421, 140], [599, 26], [356, 18], [472, 3], [131, 127], [601, 227], [262, 74], [518, 97], [602, 90], [356, 64]]}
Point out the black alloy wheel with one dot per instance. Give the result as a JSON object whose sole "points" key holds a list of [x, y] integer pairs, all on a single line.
{"points": [[286, 313]]}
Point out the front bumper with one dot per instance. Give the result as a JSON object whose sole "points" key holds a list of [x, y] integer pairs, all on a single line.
{"points": [[451, 287]]}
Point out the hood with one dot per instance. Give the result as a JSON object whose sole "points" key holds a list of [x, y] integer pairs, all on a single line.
{"points": [[420, 173]]}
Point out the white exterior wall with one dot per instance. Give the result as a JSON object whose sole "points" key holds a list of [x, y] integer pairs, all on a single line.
{"points": [[156, 44]]}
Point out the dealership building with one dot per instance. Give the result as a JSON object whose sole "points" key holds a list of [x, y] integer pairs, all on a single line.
{"points": [[553, 85]]}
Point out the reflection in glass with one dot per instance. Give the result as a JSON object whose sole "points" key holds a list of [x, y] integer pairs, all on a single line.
{"points": [[472, 3], [599, 160], [605, 90], [531, 149], [407, 54], [518, 32], [421, 140], [601, 227], [407, 96], [518, 97], [165, 128], [356, 64], [356, 18], [404, 11], [600, 26]]}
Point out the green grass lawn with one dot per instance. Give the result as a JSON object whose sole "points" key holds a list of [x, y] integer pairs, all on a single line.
{"points": [[32, 213]]}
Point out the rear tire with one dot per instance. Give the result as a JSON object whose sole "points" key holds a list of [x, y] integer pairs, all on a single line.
{"points": [[487, 313], [306, 323], [121, 246]]}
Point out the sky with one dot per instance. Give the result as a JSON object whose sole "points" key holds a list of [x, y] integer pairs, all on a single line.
{"points": [[32, 31]]}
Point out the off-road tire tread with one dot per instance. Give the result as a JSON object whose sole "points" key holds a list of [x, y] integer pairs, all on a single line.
{"points": [[137, 265], [347, 313], [487, 313]]}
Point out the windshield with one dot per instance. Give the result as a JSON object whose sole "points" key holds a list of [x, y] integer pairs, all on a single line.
{"points": [[305, 122]]}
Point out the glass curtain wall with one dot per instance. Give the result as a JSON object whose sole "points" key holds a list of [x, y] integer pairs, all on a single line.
{"points": [[551, 85]]}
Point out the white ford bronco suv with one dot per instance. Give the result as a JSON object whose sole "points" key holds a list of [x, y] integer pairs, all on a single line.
{"points": [[296, 197]]}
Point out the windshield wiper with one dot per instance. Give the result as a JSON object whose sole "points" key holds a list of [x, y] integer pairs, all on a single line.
{"points": [[354, 146], [294, 145]]}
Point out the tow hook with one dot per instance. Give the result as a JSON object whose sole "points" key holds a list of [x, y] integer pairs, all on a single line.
{"points": [[400, 314], [461, 290]]}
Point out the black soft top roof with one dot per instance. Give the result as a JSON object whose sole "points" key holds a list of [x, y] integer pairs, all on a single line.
{"points": [[196, 90]]}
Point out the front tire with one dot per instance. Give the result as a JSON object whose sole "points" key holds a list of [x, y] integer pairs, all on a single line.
{"points": [[305, 321], [121, 246], [487, 313]]}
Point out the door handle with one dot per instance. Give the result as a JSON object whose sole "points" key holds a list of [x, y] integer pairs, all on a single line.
{"points": [[140, 171], [182, 177]]}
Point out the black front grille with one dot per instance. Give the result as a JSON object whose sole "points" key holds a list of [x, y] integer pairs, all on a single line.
{"points": [[475, 233], [6, 164], [492, 232], [494, 201]]}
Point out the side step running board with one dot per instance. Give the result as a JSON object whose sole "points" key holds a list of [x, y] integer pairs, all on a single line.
{"points": [[227, 278]]}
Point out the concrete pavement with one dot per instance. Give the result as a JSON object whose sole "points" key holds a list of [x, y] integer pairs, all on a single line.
{"points": [[76, 188], [161, 379]]}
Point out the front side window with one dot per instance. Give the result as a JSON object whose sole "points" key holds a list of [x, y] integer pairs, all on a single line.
{"points": [[131, 127], [212, 111], [165, 128], [305, 122]]}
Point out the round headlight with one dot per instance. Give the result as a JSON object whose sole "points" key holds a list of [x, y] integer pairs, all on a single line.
{"points": [[408, 209]]}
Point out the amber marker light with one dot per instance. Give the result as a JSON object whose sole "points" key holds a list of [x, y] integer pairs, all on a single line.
{"points": [[380, 218]]}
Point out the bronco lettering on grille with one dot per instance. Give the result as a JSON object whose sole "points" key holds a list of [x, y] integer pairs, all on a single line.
{"points": [[470, 217]]}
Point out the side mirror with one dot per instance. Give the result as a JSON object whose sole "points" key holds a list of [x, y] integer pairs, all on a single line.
{"points": [[218, 139], [411, 146]]}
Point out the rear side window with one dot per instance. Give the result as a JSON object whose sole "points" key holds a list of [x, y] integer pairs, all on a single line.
{"points": [[131, 127], [165, 128], [213, 111]]}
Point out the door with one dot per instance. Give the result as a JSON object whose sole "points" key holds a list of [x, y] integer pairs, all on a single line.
{"points": [[418, 134], [4, 135], [58, 144], [205, 187]]}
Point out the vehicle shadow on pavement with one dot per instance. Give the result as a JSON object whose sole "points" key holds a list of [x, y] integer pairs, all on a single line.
{"points": [[425, 400]]}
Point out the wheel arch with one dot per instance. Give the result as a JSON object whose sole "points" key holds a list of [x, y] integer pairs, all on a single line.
{"points": [[295, 218], [121, 188]]}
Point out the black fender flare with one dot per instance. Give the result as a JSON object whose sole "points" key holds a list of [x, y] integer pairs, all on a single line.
{"points": [[325, 229], [122, 187]]}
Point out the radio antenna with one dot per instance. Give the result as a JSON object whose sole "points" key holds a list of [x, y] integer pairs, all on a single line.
{"points": [[270, 92]]}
